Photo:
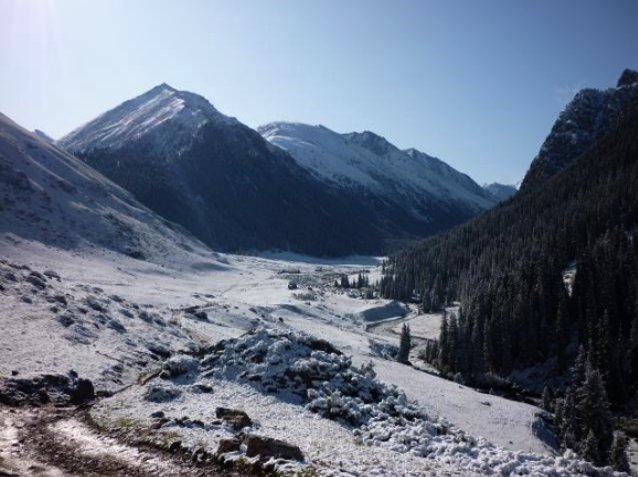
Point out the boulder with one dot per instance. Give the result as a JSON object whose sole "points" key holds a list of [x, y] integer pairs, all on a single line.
{"points": [[52, 274], [228, 445], [82, 391], [236, 418], [267, 447]]}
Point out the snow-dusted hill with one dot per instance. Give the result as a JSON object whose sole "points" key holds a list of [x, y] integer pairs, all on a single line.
{"points": [[51, 197], [370, 162], [585, 120]]}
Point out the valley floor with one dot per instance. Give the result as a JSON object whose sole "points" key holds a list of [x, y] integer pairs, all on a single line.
{"points": [[113, 320]]}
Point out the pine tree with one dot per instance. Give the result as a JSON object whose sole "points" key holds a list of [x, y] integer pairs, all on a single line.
{"points": [[618, 454], [548, 397], [592, 406], [444, 348], [590, 448], [404, 345]]}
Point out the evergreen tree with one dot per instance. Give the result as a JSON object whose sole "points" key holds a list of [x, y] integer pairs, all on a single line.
{"points": [[548, 398], [404, 345], [618, 454]]}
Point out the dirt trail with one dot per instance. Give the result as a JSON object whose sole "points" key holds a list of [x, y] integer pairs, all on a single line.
{"points": [[54, 442]]}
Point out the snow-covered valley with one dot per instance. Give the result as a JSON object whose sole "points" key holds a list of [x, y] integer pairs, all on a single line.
{"points": [[118, 321]]}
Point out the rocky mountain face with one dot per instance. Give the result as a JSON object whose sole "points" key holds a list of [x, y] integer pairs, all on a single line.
{"points": [[500, 192], [586, 119], [236, 191]]}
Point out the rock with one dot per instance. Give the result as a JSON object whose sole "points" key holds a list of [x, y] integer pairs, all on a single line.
{"points": [[628, 77], [14, 372], [236, 418], [201, 388], [52, 274], [179, 365], [175, 446], [266, 448], [93, 303], [82, 391], [228, 445], [65, 320], [60, 299], [27, 299], [37, 281], [157, 414], [201, 315], [116, 325], [161, 393]]}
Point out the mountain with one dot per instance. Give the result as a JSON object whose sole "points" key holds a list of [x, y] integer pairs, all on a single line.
{"points": [[235, 191], [412, 180], [500, 192], [585, 120], [546, 280], [49, 196]]}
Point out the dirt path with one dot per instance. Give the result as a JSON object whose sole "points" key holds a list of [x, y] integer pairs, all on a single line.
{"points": [[54, 442]]}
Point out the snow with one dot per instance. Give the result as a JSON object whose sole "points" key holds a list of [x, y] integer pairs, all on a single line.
{"points": [[350, 160], [144, 115]]}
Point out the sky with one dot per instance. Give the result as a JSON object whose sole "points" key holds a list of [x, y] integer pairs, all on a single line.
{"points": [[475, 83]]}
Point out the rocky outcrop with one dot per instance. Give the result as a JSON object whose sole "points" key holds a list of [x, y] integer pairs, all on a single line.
{"points": [[628, 77]]}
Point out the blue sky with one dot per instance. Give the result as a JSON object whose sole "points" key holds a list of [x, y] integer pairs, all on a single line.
{"points": [[476, 83]]}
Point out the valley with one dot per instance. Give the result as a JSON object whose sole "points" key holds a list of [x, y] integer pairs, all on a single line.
{"points": [[221, 298]]}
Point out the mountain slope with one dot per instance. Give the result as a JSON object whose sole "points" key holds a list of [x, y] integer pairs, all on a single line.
{"points": [[584, 121], [49, 196], [501, 192], [235, 191], [551, 271], [366, 161]]}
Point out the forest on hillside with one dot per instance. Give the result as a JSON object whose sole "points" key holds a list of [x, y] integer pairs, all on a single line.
{"points": [[507, 267]]}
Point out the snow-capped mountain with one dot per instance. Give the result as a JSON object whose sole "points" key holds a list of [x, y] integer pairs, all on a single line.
{"points": [[236, 191], [501, 192], [368, 161], [167, 118], [51, 197], [585, 120]]}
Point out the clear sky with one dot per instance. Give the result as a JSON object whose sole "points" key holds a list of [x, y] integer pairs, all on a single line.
{"points": [[476, 83]]}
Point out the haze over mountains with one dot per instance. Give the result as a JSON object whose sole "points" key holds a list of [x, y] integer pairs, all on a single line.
{"points": [[331, 194]]}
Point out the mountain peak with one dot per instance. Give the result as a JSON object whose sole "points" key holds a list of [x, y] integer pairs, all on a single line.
{"points": [[371, 141], [165, 117], [628, 77]]}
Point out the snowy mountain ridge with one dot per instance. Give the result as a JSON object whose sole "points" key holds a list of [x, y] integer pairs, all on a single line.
{"points": [[367, 160], [147, 115]]}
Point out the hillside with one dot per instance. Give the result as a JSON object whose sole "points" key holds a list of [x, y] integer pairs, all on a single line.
{"points": [[550, 272], [49, 196]]}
